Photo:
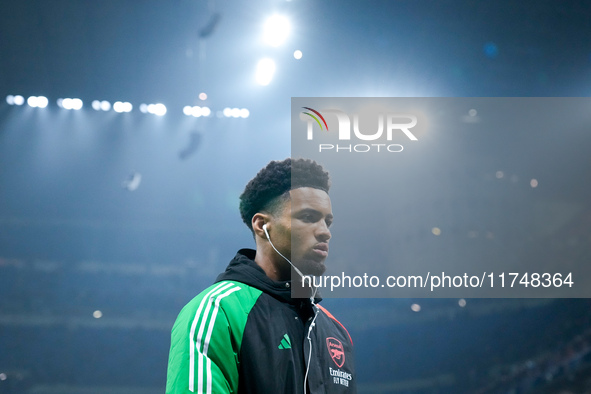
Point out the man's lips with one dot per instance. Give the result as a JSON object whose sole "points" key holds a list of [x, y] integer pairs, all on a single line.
{"points": [[321, 249]]}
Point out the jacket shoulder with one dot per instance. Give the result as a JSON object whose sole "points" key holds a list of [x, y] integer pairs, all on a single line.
{"points": [[231, 297], [338, 323]]}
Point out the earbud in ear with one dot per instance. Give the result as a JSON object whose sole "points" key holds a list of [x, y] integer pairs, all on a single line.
{"points": [[266, 232]]}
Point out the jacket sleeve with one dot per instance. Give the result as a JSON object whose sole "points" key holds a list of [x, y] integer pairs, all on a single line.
{"points": [[204, 353]]}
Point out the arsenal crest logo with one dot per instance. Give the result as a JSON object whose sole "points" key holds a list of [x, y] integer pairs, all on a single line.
{"points": [[336, 351]]}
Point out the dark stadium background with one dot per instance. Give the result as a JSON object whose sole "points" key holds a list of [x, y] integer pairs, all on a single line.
{"points": [[93, 269]]}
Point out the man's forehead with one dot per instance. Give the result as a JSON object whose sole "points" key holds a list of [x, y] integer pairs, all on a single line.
{"points": [[309, 197]]}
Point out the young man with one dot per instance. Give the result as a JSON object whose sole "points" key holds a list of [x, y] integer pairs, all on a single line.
{"points": [[246, 334]]}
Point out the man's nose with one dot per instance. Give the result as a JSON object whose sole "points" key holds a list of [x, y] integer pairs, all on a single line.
{"points": [[323, 233]]}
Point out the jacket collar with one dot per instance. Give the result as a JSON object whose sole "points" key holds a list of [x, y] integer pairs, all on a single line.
{"points": [[242, 268]]}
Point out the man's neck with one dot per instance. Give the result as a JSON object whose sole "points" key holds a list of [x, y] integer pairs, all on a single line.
{"points": [[271, 267]]}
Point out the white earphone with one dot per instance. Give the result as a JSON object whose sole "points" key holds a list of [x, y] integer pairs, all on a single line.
{"points": [[266, 232]]}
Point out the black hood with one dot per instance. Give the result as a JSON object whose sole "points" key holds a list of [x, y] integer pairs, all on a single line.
{"points": [[243, 269]]}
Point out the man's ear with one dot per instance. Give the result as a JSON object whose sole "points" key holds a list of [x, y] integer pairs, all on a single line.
{"points": [[258, 220]]}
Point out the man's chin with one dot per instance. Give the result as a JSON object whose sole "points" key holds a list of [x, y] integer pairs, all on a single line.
{"points": [[311, 267]]}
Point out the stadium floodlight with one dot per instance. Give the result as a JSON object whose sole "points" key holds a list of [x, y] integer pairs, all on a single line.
{"points": [[77, 104], [196, 111], [276, 30], [42, 101], [265, 71], [96, 105], [244, 113], [118, 107], [32, 101], [70, 103], [19, 100], [235, 112], [297, 54], [144, 108], [105, 105], [10, 99], [227, 112], [158, 109], [67, 103], [205, 111]]}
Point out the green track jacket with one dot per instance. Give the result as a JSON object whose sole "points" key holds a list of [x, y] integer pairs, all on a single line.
{"points": [[245, 334]]}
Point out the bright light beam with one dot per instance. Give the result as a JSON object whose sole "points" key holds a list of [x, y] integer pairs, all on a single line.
{"points": [[276, 30], [265, 71]]}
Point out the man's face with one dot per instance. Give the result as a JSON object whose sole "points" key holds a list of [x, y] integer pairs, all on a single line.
{"points": [[304, 229]]}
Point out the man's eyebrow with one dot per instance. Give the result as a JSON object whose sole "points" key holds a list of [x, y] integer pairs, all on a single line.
{"points": [[308, 210], [314, 211]]}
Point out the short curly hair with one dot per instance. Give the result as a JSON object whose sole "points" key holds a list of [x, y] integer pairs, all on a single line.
{"points": [[271, 186]]}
